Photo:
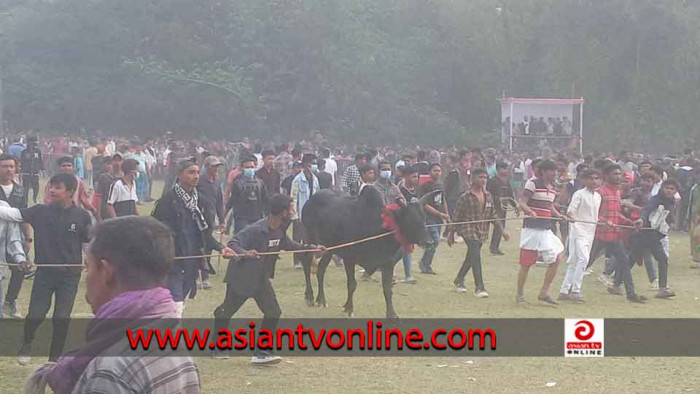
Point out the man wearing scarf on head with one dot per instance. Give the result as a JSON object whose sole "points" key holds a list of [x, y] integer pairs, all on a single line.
{"points": [[127, 262], [189, 217]]}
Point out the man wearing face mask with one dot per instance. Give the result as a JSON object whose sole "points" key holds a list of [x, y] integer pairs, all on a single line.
{"points": [[247, 277], [389, 191], [249, 196]]}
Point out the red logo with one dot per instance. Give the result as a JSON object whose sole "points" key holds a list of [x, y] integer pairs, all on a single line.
{"points": [[584, 337], [584, 330]]}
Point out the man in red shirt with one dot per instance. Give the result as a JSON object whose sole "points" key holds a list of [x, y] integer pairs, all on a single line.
{"points": [[608, 235]]}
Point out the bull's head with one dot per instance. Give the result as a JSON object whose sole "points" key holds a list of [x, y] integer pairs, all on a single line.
{"points": [[410, 219]]}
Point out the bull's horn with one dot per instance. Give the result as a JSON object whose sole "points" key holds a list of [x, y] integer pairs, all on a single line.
{"points": [[426, 198]]}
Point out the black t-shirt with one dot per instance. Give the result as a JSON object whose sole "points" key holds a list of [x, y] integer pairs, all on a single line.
{"points": [[435, 201], [59, 233], [274, 241], [410, 196]]}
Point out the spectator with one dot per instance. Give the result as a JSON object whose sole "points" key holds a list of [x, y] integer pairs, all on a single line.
{"points": [[127, 262]]}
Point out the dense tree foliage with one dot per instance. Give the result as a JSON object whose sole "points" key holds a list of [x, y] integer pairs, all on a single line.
{"points": [[359, 70]]}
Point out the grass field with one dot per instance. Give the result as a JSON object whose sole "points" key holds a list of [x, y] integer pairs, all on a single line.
{"points": [[435, 297]]}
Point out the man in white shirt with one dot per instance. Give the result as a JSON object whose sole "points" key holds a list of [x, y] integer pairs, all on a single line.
{"points": [[584, 206], [122, 198], [331, 165]]}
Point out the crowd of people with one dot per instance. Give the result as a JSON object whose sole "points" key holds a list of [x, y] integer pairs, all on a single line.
{"points": [[537, 132], [575, 208]]}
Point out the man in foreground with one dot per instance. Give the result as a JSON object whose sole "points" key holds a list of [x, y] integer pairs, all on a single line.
{"points": [[60, 229], [124, 291], [248, 276]]}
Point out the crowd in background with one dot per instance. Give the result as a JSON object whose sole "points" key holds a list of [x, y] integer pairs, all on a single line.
{"points": [[255, 190]]}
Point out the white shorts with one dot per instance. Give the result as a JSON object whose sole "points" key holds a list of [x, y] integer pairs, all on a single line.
{"points": [[548, 245]]}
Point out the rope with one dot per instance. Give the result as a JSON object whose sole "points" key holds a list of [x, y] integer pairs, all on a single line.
{"points": [[352, 243], [281, 252], [543, 218], [45, 265]]}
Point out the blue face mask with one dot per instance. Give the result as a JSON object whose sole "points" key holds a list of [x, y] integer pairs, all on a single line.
{"points": [[249, 172], [386, 174]]}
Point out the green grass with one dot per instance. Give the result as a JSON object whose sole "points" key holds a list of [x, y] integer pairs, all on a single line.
{"points": [[434, 297]]}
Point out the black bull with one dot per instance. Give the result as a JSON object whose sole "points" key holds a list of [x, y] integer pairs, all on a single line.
{"points": [[333, 219]]}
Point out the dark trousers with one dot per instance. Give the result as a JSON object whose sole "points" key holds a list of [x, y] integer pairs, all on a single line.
{"points": [[597, 249], [15, 285], [642, 245], [265, 298], [30, 181], [472, 261], [62, 284], [182, 279], [622, 268], [497, 233]]}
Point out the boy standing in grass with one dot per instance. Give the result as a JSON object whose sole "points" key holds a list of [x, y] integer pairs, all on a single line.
{"points": [[584, 206], [475, 204]]}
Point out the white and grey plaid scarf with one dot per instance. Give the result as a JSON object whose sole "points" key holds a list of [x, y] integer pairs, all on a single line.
{"points": [[190, 202]]}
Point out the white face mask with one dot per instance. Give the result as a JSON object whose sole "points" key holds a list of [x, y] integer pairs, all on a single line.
{"points": [[386, 174], [314, 167]]}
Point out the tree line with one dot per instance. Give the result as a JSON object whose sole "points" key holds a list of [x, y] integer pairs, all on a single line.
{"points": [[386, 71]]}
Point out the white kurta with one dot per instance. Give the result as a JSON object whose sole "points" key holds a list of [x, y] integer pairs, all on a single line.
{"points": [[584, 206]]}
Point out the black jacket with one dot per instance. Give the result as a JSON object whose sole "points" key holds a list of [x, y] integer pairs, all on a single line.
{"points": [[171, 211], [245, 275], [31, 161], [249, 198]]}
